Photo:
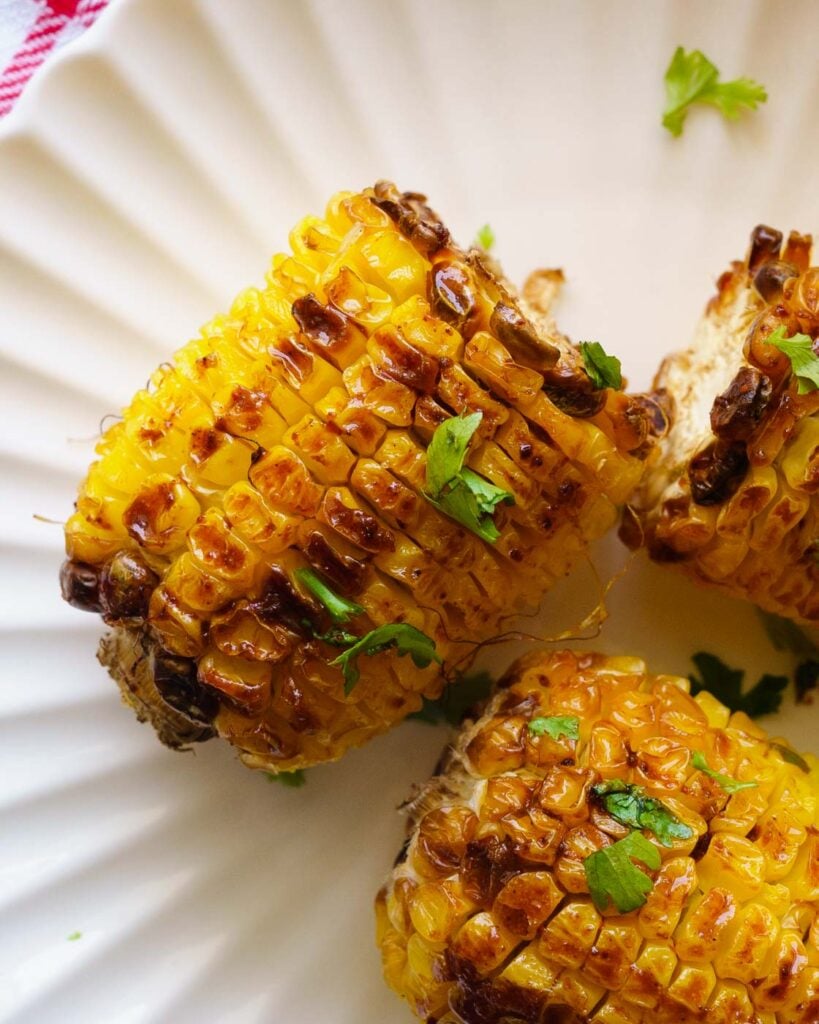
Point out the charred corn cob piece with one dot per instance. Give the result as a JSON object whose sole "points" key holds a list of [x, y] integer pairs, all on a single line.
{"points": [[601, 847], [285, 449], [733, 498]]}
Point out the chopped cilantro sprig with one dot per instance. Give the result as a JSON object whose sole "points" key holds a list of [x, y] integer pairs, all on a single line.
{"points": [[613, 877], [785, 635], [556, 726], [790, 756], [727, 783], [804, 361], [457, 698], [604, 370], [294, 779], [725, 683], [455, 489], [484, 238], [404, 638], [806, 678], [692, 78], [338, 608], [631, 805]]}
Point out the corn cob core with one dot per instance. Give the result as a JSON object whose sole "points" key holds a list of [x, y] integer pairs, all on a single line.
{"points": [[487, 915], [292, 433], [733, 498]]}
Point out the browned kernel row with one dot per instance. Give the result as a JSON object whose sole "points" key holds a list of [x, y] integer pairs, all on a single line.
{"points": [[292, 433], [487, 916]]}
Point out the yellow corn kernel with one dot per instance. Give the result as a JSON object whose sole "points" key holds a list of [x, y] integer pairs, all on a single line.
{"points": [[570, 935], [726, 935], [733, 499], [292, 433], [482, 943]]}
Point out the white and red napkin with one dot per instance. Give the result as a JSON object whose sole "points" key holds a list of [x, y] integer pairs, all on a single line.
{"points": [[30, 31]]}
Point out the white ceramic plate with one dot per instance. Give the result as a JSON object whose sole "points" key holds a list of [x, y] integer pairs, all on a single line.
{"points": [[144, 178]]}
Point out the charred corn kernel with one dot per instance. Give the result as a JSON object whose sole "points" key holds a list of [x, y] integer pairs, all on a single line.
{"points": [[528, 971], [650, 975], [292, 433], [482, 943], [492, 882], [569, 935], [734, 498], [575, 990]]}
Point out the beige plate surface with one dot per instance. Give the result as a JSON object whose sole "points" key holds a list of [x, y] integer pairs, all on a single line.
{"points": [[145, 177]]}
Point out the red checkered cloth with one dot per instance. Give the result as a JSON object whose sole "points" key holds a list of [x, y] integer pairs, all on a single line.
{"points": [[30, 30]]}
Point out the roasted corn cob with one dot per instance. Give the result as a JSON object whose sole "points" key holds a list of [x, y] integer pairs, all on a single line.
{"points": [[602, 847], [280, 463], [733, 498]]}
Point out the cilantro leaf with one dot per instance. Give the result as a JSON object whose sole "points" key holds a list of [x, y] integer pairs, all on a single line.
{"points": [[556, 726], [806, 678], [692, 78], [484, 238], [725, 684], [687, 77], [293, 779], [471, 501], [457, 698], [785, 635], [804, 361], [632, 806], [447, 450], [612, 875], [791, 756], [74, 936], [725, 781], [404, 638], [338, 608], [336, 637], [486, 494], [765, 696], [457, 491], [730, 97], [603, 369]]}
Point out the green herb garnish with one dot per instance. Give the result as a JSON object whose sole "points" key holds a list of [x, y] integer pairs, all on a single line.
{"points": [[785, 635], [447, 450], [725, 684], [338, 607], [484, 238], [692, 78], [336, 637], [294, 779], [725, 781], [804, 361], [612, 875], [74, 936], [632, 806], [806, 678], [791, 756], [457, 491], [603, 369], [556, 726], [457, 698], [405, 639]]}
